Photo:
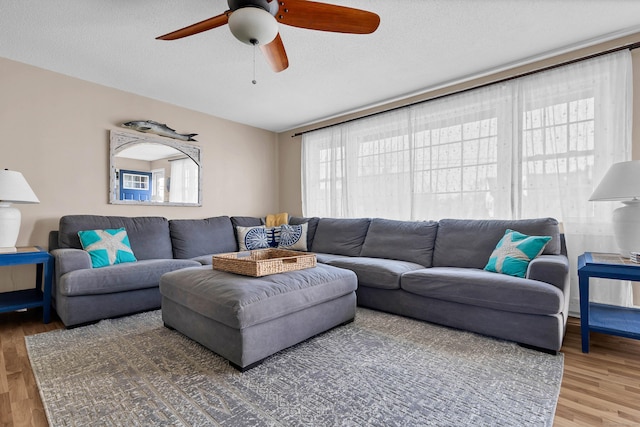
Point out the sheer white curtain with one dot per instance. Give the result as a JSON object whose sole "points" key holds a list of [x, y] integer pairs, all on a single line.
{"points": [[184, 181], [434, 160], [462, 159], [576, 123], [530, 147], [360, 169]]}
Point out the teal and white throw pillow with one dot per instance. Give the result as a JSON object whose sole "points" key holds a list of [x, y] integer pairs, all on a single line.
{"points": [[293, 237], [107, 247], [514, 252]]}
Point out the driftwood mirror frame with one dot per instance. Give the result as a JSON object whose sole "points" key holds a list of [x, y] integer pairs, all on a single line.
{"points": [[120, 141]]}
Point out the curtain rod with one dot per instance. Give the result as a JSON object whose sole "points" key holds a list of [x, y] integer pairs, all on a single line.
{"points": [[630, 46]]}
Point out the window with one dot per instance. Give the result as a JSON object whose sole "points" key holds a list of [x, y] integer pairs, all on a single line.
{"points": [[132, 181], [157, 177], [517, 149], [558, 149], [457, 166]]}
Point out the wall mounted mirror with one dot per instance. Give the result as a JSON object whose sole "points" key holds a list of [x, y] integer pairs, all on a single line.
{"points": [[147, 170]]}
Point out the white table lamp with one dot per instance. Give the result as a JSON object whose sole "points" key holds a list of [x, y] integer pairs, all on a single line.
{"points": [[622, 183], [13, 189]]}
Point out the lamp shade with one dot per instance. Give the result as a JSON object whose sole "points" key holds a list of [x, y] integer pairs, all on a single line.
{"points": [[252, 25], [15, 189], [621, 182]]}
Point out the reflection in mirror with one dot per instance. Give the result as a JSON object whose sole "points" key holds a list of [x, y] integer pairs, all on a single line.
{"points": [[150, 171]]}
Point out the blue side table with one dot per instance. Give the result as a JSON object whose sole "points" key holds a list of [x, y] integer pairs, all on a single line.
{"points": [[40, 295], [604, 318]]}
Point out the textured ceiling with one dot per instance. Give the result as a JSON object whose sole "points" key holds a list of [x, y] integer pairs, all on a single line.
{"points": [[420, 44]]}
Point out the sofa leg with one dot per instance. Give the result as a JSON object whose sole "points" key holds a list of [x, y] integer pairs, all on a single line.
{"points": [[246, 368], [544, 350], [347, 322]]}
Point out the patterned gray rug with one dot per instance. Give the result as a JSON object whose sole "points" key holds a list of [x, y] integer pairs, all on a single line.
{"points": [[381, 370]]}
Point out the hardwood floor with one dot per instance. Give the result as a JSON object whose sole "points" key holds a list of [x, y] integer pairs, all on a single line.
{"points": [[601, 388], [20, 403]]}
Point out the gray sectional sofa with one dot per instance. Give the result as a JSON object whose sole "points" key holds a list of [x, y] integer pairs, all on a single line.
{"points": [[433, 271], [427, 270]]}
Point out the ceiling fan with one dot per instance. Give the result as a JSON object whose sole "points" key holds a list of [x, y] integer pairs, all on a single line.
{"points": [[255, 22]]}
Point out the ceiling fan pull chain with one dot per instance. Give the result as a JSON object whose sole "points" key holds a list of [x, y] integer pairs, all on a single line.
{"points": [[254, 43]]}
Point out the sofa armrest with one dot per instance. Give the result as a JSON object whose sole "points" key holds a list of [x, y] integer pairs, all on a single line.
{"points": [[551, 269], [70, 260]]}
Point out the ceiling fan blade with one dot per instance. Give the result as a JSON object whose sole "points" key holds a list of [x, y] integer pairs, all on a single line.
{"points": [[326, 17], [275, 54], [199, 27]]}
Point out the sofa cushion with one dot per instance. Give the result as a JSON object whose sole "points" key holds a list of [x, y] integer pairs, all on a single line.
{"points": [[204, 259], [312, 226], [246, 221], [119, 278], [107, 247], [341, 236], [484, 289], [376, 272], [402, 240], [514, 252], [196, 237], [328, 258], [469, 243], [149, 236]]}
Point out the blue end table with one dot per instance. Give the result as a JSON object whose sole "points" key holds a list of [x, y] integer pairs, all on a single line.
{"points": [[40, 295], [604, 318]]}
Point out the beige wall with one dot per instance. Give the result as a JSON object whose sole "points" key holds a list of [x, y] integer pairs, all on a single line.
{"points": [[55, 130], [290, 147]]}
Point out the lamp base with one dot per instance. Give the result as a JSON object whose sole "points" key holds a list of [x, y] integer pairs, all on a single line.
{"points": [[9, 225], [626, 227]]}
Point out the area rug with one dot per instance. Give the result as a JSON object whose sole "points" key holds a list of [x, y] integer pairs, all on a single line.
{"points": [[381, 370]]}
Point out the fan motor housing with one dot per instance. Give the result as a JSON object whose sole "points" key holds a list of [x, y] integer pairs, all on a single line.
{"points": [[270, 6]]}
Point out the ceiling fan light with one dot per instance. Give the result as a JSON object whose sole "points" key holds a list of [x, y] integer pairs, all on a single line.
{"points": [[252, 25]]}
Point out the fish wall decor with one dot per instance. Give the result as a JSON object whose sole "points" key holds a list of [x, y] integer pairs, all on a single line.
{"points": [[149, 126]]}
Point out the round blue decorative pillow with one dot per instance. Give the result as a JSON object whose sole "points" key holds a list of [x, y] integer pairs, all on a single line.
{"points": [[256, 238], [293, 237]]}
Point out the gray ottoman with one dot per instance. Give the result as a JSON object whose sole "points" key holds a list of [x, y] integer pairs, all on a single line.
{"points": [[246, 319]]}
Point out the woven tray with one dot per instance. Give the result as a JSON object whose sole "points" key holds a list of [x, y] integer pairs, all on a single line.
{"points": [[262, 262]]}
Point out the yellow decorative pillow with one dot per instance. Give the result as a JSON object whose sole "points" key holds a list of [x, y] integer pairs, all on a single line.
{"points": [[274, 220]]}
